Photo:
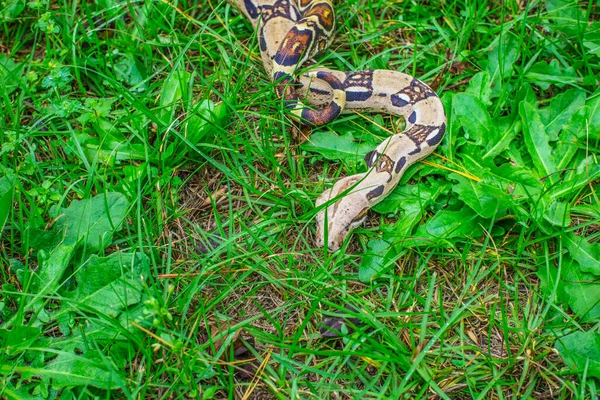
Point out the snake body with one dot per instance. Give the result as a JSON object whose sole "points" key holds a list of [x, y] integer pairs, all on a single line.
{"points": [[290, 32]]}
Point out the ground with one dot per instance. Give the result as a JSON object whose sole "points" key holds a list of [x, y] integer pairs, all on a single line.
{"points": [[158, 216]]}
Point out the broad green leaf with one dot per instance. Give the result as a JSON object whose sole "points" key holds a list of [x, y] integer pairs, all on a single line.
{"points": [[108, 4], [413, 200], [93, 221], [109, 133], [543, 74], [592, 46], [203, 120], [420, 194], [413, 212], [19, 270], [560, 111], [523, 179], [508, 127], [479, 87], [379, 256], [59, 77], [551, 284], [11, 10], [51, 268], [209, 392], [593, 120], [10, 74], [575, 288], [483, 198], [175, 87], [566, 14], [448, 224], [342, 147], [585, 253], [89, 369], [565, 149], [474, 118], [582, 289], [24, 390], [587, 171], [107, 285], [536, 141], [577, 130], [18, 338], [95, 109], [120, 152], [581, 352], [103, 330], [557, 213], [130, 70], [501, 61], [512, 186], [525, 94], [111, 144], [45, 240], [6, 197]]}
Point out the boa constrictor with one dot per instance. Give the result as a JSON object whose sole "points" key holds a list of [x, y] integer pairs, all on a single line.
{"points": [[290, 32]]}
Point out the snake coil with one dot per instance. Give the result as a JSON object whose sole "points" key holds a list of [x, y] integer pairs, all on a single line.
{"points": [[290, 32]]}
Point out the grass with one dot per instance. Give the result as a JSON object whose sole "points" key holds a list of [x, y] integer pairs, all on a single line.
{"points": [[160, 219]]}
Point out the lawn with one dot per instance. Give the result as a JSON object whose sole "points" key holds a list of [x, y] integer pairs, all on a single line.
{"points": [[157, 216]]}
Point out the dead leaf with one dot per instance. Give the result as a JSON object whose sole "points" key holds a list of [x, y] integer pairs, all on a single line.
{"points": [[214, 197], [244, 362], [216, 329], [209, 242], [333, 326]]}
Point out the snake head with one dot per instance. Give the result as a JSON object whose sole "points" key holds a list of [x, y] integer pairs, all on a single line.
{"points": [[342, 216]]}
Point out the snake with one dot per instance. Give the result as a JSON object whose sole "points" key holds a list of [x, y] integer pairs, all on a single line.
{"points": [[290, 33]]}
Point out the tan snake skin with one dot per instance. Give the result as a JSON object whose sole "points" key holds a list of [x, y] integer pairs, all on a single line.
{"points": [[292, 31]]}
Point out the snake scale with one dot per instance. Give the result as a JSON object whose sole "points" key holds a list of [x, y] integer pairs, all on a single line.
{"points": [[290, 32]]}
